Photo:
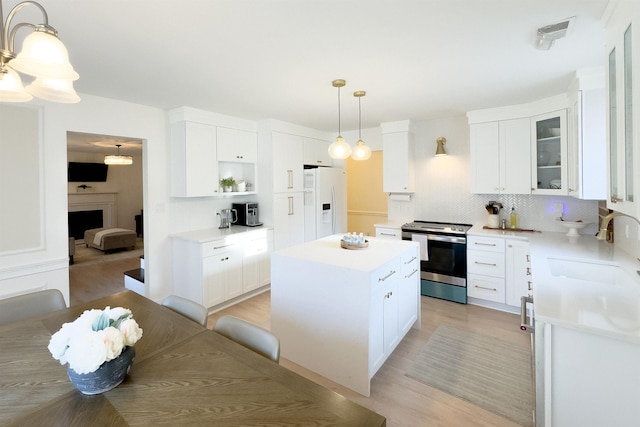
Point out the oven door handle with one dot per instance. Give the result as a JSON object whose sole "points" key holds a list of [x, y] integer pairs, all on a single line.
{"points": [[448, 239]]}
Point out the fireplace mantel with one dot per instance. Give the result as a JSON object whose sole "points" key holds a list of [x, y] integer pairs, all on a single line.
{"points": [[107, 202]]}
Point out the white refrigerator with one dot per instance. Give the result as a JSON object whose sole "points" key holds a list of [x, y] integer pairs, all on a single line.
{"points": [[325, 202]]}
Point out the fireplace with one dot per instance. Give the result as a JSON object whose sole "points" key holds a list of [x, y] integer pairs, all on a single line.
{"points": [[84, 220], [86, 204]]}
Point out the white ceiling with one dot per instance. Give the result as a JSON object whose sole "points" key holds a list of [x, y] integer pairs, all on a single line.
{"points": [[260, 59]]}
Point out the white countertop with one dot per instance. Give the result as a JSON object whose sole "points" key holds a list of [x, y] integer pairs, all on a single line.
{"points": [[209, 234], [328, 251], [610, 309]]}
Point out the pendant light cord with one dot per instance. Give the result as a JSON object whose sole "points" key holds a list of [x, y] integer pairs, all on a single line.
{"points": [[359, 119], [339, 132]]}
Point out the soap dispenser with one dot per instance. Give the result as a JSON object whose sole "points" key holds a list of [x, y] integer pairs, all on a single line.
{"points": [[513, 218]]}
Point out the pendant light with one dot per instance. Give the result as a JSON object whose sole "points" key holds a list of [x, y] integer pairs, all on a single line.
{"points": [[339, 149], [440, 149], [118, 159], [361, 151]]}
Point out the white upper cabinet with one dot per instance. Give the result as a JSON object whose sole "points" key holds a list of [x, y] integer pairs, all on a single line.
{"points": [[193, 160], [623, 90], [316, 152], [237, 146], [587, 148], [500, 157], [520, 149], [549, 153], [206, 147], [397, 159]]}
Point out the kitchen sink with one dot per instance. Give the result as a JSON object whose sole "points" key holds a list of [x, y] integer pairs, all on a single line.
{"points": [[590, 271]]}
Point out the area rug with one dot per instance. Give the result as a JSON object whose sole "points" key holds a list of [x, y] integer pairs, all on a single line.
{"points": [[490, 373]]}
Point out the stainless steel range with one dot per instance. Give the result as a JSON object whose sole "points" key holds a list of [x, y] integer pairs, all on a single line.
{"points": [[443, 258]]}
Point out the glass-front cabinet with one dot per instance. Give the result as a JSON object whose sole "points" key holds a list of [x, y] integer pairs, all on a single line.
{"points": [[549, 153], [622, 126]]}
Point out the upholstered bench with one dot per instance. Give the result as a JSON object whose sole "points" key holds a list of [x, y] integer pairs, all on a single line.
{"points": [[110, 238]]}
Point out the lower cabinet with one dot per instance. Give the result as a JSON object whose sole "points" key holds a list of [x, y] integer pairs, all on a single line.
{"points": [[517, 271], [498, 269], [216, 271], [485, 269], [222, 274], [384, 312], [288, 219], [407, 290]]}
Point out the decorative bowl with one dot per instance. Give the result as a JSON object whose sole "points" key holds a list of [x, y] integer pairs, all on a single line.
{"points": [[574, 226], [346, 245]]}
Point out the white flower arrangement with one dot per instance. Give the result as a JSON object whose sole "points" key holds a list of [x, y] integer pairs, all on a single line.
{"points": [[95, 337]]}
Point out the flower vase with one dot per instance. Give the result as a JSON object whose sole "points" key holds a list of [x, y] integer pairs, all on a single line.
{"points": [[108, 376]]}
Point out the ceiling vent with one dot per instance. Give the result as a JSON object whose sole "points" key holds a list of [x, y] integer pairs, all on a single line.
{"points": [[547, 35]]}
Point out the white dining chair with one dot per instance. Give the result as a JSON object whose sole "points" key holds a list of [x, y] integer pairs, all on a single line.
{"points": [[249, 335], [190, 309], [32, 304]]}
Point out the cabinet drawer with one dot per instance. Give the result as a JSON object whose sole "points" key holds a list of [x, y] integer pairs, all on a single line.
{"points": [[487, 263], [485, 287], [388, 233], [410, 264], [216, 247], [485, 244]]}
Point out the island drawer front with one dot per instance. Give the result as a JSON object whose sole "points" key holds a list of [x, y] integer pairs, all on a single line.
{"points": [[485, 244], [410, 264], [487, 263], [486, 287]]}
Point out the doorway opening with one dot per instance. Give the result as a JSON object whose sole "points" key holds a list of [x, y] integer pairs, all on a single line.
{"points": [[118, 200]]}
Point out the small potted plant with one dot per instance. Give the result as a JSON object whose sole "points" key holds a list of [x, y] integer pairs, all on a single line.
{"points": [[227, 183]]}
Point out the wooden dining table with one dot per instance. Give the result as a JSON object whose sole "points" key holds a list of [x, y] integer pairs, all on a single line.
{"points": [[183, 374]]}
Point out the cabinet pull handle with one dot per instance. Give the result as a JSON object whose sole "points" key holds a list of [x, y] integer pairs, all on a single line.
{"points": [[391, 273], [388, 234], [224, 259], [290, 205], [528, 271], [529, 288], [484, 244], [289, 178], [615, 199], [319, 161], [528, 258], [488, 289], [411, 260], [220, 247], [485, 263], [412, 273]]}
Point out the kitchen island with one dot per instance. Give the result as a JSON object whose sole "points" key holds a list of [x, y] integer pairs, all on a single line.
{"points": [[341, 312]]}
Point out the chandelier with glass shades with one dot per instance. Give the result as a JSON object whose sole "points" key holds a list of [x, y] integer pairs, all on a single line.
{"points": [[118, 159], [43, 57]]}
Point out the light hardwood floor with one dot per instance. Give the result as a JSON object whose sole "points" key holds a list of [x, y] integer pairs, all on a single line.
{"points": [[402, 400]]}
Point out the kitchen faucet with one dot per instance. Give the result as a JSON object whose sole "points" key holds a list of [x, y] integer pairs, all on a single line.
{"points": [[602, 234]]}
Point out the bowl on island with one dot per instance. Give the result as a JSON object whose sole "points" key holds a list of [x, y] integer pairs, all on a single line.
{"points": [[574, 226]]}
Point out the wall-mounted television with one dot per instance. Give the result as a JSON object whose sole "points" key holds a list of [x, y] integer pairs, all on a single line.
{"points": [[87, 172]]}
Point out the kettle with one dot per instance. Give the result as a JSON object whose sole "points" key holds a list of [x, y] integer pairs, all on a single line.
{"points": [[227, 217]]}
